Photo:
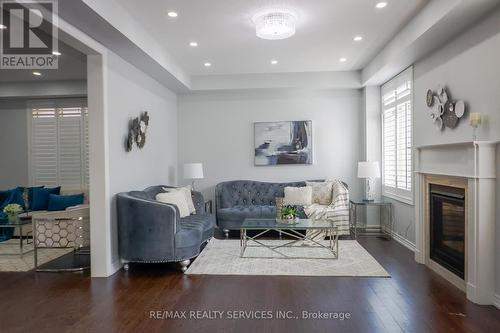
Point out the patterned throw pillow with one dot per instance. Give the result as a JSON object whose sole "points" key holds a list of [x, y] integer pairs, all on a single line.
{"points": [[298, 196], [321, 192]]}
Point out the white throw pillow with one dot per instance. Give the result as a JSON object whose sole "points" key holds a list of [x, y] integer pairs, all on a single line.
{"points": [[176, 198], [186, 190], [298, 196], [321, 192]]}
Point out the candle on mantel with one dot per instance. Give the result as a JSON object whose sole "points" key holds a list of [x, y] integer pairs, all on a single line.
{"points": [[475, 119]]}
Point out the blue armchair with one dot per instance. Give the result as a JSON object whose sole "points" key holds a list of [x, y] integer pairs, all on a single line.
{"points": [[151, 231]]}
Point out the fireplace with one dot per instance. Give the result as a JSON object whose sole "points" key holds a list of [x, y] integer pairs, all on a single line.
{"points": [[469, 170], [447, 227]]}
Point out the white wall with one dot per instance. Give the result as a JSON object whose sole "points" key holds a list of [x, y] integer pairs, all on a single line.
{"points": [[216, 128], [128, 93], [14, 144], [469, 67]]}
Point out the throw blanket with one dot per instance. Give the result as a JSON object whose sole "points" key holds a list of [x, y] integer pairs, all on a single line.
{"points": [[337, 211]]}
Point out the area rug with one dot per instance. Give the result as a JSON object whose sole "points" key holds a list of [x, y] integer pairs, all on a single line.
{"points": [[10, 261], [222, 257]]}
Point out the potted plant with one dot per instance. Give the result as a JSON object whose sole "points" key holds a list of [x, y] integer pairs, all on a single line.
{"points": [[289, 213], [11, 210]]}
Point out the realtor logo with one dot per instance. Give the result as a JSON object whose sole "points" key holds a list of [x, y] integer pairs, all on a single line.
{"points": [[28, 33]]}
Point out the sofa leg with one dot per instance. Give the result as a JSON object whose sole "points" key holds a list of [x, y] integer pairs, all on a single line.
{"points": [[126, 267], [226, 233], [184, 264]]}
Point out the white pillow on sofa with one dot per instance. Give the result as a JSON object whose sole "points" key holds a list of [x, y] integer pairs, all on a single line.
{"points": [[176, 198], [298, 196], [321, 192], [186, 190]]}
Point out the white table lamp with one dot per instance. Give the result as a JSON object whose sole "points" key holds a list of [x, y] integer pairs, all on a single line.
{"points": [[369, 171], [193, 171]]}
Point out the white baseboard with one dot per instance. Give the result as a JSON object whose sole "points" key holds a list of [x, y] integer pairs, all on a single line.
{"points": [[403, 241], [116, 266], [496, 301]]}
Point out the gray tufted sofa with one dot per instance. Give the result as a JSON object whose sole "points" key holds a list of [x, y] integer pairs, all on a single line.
{"points": [[240, 199], [152, 231]]}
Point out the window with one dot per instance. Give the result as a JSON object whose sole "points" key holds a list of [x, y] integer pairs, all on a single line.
{"points": [[59, 144], [397, 165]]}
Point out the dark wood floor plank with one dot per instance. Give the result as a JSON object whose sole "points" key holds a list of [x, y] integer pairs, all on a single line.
{"points": [[414, 299]]}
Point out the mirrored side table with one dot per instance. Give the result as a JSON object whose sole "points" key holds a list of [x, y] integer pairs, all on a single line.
{"points": [[384, 229]]}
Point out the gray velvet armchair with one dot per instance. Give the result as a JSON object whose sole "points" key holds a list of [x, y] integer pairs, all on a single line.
{"points": [[151, 231]]}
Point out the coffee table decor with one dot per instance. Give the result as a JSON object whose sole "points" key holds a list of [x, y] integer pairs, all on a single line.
{"points": [[291, 248]]}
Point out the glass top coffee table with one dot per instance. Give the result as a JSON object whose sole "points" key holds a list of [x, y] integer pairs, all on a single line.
{"points": [[19, 222], [297, 241]]}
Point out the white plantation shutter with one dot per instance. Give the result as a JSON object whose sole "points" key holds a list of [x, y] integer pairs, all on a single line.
{"points": [[397, 164], [44, 147], [59, 144]]}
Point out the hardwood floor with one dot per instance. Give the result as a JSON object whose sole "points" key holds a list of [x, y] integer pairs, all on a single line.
{"points": [[413, 300]]}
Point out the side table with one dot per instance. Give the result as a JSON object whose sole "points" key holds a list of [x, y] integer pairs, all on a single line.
{"points": [[385, 227]]}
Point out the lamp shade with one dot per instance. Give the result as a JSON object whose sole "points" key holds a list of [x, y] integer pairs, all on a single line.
{"points": [[368, 170], [193, 171]]}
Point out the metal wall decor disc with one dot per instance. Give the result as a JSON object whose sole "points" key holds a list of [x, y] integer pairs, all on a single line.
{"points": [[440, 90], [443, 96], [449, 106], [440, 109], [450, 119], [438, 123], [460, 109], [430, 98]]}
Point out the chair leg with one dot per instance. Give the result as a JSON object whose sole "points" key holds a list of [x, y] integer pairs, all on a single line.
{"points": [[226, 233], [184, 264]]}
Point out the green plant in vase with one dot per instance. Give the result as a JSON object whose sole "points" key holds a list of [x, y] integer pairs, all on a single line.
{"points": [[11, 210], [289, 212]]}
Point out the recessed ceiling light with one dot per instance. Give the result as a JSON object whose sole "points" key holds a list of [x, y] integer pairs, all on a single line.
{"points": [[207, 64], [274, 62], [56, 53], [381, 5], [2, 27], [358, 38], [343, 59], [172, 14], [193, 44], [37, 73]]}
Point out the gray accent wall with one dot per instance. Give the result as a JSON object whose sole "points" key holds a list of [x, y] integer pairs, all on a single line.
{"points": [[14, 143], [469, 67], [129, 92], [216, 128]]}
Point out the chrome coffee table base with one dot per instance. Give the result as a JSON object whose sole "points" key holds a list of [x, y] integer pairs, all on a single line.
{"points": [[296, 239]]}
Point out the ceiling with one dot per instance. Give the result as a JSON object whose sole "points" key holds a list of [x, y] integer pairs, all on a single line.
{"points": [[226, 36]]}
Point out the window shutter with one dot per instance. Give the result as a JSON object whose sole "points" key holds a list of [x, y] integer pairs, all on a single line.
{"points": [[44, 147], [70, 144], [59, 144], [397, 136]]}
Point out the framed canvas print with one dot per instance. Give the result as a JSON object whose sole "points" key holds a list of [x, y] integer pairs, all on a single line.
{"points": [[283, 142]]}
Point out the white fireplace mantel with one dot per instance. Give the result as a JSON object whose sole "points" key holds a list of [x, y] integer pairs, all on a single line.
{"points": [[476, 162]]}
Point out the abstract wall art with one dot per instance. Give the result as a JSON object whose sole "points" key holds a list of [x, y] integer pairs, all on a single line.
{"points": [[283, 142]]}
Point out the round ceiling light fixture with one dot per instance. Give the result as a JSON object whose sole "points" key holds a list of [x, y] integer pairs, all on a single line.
{"points": [[274, 24]]}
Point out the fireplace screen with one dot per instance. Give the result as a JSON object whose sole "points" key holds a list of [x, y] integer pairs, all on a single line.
{"points": [[447, 228]]}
